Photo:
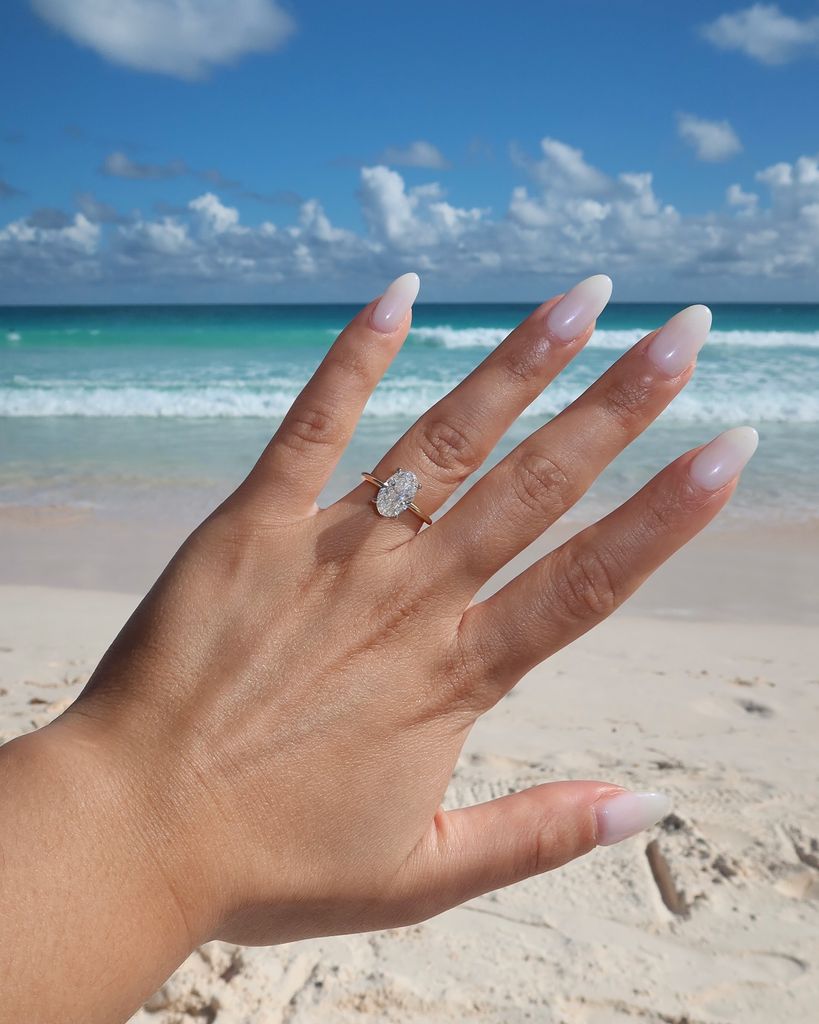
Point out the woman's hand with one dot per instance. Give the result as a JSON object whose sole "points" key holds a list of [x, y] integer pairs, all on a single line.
{"points": [[277, 723]]}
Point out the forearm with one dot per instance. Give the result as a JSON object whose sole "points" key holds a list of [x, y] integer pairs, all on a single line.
{"points": [[89, 926]]}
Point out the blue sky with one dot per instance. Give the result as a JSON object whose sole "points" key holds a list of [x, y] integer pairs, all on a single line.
{"points": [[326, 147]]}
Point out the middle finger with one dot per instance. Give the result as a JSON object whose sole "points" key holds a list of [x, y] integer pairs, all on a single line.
{"points": [[548, 472]]}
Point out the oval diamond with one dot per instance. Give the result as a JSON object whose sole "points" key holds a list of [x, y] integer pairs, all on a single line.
{"points": [[397, 494]]}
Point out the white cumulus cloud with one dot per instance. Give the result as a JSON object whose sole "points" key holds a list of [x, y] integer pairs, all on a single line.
{"points": [[79, 235], [567, 219], [214, 215], [712, 141], [183, 38], [765, 33], [737, 196]]}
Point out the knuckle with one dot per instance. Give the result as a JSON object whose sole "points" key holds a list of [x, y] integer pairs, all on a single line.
{"points": [[448, 450], [624, 401], [660, 514], [309, 426], [586, 587], [352, 367], [558, 839], [542, 856], [664, 509], [541, 485], [517, 365]]}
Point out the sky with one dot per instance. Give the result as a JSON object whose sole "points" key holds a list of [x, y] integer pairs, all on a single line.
{"points": [[310, 150]]}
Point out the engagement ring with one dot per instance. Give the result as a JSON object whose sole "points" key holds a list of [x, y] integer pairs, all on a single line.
{"points": [[396, 493]]}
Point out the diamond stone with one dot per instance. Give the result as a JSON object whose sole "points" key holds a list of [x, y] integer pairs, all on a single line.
{"points": [[397, 494]]}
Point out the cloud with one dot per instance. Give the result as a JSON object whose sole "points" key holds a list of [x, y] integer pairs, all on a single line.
{"points": [[168, 237], [213, 214], [48, 217], [98, 212], [712, 141], [415, 219], [219, 180], [567, 219], [119, 165], [79, 234], [416, 154], [182, 38], [561, 168], [765, 33], [67, 254], [8, 191], [737, 196]]}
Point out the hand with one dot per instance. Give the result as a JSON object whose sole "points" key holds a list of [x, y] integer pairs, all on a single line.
{"points": [[282, 714]]}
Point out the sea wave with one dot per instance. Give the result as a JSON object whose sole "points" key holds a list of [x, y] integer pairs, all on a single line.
{"points": [[396, 400], [446, 336]]}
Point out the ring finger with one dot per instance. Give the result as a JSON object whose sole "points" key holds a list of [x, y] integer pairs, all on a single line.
{"points": [[452, 439]]}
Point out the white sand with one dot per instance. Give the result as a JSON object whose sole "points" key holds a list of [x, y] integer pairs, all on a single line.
{"points": [[722, 716]]}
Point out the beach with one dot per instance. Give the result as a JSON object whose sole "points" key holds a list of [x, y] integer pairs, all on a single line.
{"points": [[705, 686]]}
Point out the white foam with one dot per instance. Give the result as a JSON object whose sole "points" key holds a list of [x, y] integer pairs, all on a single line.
{"points": [[399, 399], [446, 336]]}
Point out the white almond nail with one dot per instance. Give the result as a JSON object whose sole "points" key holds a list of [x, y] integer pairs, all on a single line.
{"points": [[395, 303], [675, 346], [626, 814], [579, 308], [721, 460]]}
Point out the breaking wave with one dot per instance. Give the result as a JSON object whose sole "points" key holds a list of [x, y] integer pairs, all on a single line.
{"points": [[395, 399], [446, 336]]}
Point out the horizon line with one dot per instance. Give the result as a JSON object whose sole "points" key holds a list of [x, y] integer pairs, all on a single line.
{"points": [[439, 302]]}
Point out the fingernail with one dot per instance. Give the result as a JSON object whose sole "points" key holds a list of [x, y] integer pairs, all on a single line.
{"points": [[626, 814], [395, 303], [678, 341], [579, 308], [721, 460]]}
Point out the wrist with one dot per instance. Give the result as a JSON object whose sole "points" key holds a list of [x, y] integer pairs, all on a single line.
{"points": [[102, 916], [150, 813]]}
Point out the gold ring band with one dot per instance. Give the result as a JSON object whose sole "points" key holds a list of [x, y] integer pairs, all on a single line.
{"points": [[392, 505]]}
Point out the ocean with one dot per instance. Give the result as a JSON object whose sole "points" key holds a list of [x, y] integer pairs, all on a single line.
{"points": [[108, 407]]}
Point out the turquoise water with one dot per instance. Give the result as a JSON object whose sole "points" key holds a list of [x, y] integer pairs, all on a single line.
{"points": [[102, 405]]}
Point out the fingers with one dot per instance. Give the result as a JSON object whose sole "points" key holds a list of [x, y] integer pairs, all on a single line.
{"points": [[545, 475], [477, 849], [583, 581], [305, 449], [453, 438]]}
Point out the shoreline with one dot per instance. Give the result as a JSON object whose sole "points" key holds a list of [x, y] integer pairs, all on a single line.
{"points": [[732, 572]]}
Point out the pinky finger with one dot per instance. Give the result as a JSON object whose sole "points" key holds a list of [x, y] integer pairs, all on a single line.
{"points": [[303, 452], [584, 580]]}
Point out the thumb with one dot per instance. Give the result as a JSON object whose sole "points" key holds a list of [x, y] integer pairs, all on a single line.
{"points": [[473, 850]]}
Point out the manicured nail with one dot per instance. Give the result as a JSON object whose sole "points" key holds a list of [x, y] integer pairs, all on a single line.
{"points": [[626, 814], [678, 341], [721, 460], [395, 303], [579, 308]]}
